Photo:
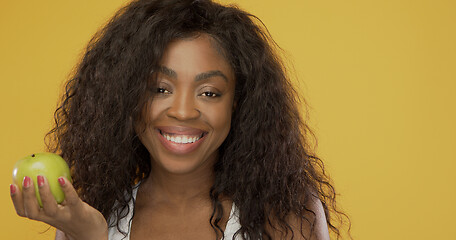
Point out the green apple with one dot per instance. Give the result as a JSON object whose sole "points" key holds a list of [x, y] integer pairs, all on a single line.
{"points": [[50, 165]]}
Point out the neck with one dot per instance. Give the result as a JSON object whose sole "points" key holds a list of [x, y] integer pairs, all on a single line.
{"points": [[179, 188]]}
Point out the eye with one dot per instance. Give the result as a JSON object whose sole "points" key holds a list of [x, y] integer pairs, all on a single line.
{"points": [[210, 94], [163, 90]]}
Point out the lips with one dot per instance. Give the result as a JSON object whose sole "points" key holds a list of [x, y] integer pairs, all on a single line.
{"points": [[179, 139]]}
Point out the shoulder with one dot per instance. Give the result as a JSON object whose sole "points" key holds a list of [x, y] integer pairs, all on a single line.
{"points": [[314, 228]]}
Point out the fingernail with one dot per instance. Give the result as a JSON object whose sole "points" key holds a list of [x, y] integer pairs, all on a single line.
{"points": [[27, 182], [12, 189], [40, 180], [61, 181]]}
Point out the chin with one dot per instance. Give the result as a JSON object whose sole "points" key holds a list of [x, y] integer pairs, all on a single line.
{"points": [[182, 165]]}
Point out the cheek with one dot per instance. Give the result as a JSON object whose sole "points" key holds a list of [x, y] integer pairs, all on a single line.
{"points": [[156, 107], [220, 119], [149, 114]]}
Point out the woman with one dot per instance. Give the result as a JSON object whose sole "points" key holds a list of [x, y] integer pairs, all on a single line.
{"points": [[180, 123]]}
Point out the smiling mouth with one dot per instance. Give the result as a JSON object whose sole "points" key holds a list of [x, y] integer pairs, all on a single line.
{"points": [[181, 138]]}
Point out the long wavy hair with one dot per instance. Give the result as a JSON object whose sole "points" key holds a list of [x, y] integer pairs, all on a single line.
{"points": [[267, 164]]}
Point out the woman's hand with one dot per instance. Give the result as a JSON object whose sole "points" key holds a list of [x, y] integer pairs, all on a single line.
{"points": [[75, 218]]}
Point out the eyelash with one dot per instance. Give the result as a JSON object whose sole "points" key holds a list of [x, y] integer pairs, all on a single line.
{"points": [[208, 94], [162, 91]]}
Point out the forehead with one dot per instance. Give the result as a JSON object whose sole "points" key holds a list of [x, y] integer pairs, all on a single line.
{"points": [[195, 55]]}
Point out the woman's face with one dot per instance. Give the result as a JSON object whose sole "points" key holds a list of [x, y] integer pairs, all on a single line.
{"points": [[189, 116]]}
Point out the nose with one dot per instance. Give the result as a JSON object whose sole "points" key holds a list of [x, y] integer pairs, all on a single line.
{"points": [[183, 107]]}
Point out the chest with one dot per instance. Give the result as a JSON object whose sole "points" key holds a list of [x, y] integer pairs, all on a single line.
{"points": [[169, 224]]}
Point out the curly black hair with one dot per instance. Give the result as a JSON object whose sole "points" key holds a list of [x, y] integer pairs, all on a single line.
{"points": [[266, 165]]}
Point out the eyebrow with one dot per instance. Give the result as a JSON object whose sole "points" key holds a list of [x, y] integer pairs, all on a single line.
{"points": [[202, 76], [168, 72]]}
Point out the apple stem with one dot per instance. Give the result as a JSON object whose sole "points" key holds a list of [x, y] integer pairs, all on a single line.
{"points": [[33, 155]]}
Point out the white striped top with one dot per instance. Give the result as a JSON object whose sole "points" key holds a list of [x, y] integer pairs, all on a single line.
{"points": [[125, 223]]}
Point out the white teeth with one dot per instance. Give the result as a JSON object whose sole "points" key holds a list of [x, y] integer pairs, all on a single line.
{"points": [[181, 138]]}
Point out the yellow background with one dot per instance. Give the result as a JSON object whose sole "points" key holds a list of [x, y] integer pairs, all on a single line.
{"points": [[380, 77]]}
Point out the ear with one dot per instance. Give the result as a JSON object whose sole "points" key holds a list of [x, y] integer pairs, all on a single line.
{"points": [[135, 124], [234, 106]]}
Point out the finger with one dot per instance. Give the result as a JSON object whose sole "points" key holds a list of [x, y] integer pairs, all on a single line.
{"points": [[31, 206], [47, 199], [71, 197], [18, 201]]}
